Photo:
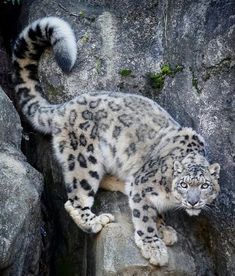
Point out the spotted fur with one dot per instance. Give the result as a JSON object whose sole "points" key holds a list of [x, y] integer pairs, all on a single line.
{"points": [[131, 137]]}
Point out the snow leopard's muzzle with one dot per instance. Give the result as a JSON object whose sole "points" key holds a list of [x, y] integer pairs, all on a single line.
{"points": [[195, 185]]}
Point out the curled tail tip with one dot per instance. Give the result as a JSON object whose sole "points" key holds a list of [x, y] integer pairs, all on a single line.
{"points": [[63, 42], [54, 30], [27, 50], [65, 55]]}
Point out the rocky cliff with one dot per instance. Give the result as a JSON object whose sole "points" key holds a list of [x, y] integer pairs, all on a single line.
{"points": [[179, 53], [20, 190]]}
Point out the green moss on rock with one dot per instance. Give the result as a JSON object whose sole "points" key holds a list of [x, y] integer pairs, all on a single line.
{"points": [[125, 72], [157, 80], [178, 68], [82, 14], [166, 70]]}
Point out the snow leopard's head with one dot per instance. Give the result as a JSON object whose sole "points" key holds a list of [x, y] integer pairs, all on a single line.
{"points": [[195, 183]]}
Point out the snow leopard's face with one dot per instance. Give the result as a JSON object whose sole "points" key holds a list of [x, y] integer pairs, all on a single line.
{"points": [[195, 185]]}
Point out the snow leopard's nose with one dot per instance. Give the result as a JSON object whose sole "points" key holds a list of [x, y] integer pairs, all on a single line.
{"points": [[193, 196], [193, 201]]}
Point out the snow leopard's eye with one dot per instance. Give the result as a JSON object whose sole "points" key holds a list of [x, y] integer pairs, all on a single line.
{"points": [[184, 185], [204, 186]]}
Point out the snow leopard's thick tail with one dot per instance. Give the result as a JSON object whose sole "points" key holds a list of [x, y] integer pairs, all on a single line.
{"points": [[43, 33]]}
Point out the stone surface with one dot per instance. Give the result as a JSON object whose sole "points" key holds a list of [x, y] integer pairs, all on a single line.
{"points": [[141, 36], [20, 189], [113, 251], [64, 244], [10, 126], [5, 66]]}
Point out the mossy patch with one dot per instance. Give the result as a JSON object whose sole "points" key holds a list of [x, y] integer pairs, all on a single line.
{"points": [[125, 72], [157, 80], [166, 70], [178, 68], [82, 14]]}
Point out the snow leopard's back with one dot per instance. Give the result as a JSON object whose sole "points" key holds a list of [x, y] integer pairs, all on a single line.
{"points": [[124, 126]]}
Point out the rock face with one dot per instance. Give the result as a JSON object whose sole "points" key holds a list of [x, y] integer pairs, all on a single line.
{"points": [[113, 251], [20, 189], [179, 53]]}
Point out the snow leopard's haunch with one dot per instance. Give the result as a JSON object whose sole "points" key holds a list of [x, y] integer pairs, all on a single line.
{"points": [[128, 136], [29, 46]]}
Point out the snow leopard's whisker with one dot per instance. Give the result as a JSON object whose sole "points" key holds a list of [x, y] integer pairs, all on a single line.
{"points": [[178, 208], [209, 210]]}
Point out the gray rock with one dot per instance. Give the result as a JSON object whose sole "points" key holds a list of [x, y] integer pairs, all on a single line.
{"points": [[142, 36], [10, 125], [114, 251], [20, 189]]}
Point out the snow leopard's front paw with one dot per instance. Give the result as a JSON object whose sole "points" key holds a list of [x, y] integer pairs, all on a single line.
{"points": [[100, 221], [155, 250], [86, 220], [168, 234]]}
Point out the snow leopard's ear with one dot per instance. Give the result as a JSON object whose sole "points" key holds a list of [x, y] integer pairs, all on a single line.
{"points": [[214, 170], [178, 168]]}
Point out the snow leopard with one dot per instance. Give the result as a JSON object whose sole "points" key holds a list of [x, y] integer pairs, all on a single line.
{"points": [[131, 137]]}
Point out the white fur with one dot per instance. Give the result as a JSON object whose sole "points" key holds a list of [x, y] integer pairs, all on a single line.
{"points": [[193, 212], [61, 30], [163, 201]]}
